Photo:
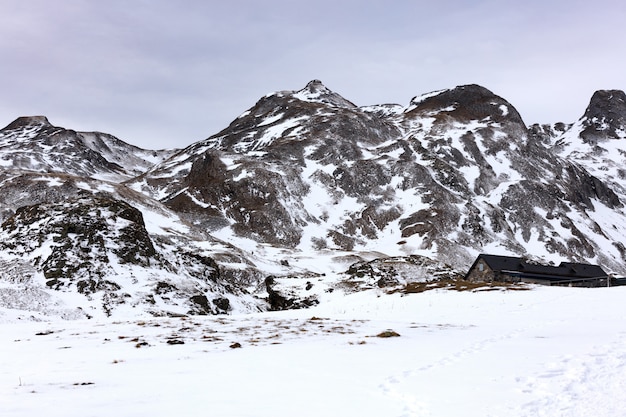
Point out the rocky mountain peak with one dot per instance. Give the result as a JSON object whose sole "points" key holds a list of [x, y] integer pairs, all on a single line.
{"points": [[316, 91], [316, 86], [607, 101], [28, 121], [605, 116], [466, 102]]}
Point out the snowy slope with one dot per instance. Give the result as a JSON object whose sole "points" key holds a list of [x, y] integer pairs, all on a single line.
{"points": [[543, 352]]}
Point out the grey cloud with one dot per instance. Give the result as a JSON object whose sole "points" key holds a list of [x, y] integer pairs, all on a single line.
{"points": [[160, 73]]}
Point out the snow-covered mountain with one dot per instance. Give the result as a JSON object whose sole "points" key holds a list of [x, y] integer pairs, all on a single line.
{"points": [[33, 144], [453, 174], [299, 194], [76, 242]]}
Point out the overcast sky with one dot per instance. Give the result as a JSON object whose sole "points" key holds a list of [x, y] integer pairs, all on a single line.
{"points": [[165, 73]]}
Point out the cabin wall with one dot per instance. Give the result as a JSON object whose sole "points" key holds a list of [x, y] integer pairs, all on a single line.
{"points": [[510, 278], [481, 272]]}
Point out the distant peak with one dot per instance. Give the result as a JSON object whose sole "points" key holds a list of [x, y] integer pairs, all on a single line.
{"points": [[609, 95], [463, 93], [605, 117], [316, 91], [29, 121], [469, 93], [607, 101], [470, 102], [316, 85], [475, 89]]}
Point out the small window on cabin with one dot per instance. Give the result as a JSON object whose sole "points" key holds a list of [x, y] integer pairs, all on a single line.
{"points": [[481, 267]]}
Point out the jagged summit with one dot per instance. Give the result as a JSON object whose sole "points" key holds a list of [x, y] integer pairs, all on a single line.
{"points": [[316, 86], [316, 91], [28, 121], [594, 140], [605, 116]]}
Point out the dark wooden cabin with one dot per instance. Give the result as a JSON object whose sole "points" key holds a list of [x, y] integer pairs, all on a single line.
{"points": [[496, 268]]}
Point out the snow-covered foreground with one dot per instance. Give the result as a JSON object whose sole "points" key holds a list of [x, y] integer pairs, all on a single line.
{"points": [[544, 352]]}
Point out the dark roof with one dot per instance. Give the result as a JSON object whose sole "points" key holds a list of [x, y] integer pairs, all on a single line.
{"points": [[566, 270]]}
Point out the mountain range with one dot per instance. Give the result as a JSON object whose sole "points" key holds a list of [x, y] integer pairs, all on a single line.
{"points": [[303, 194]]}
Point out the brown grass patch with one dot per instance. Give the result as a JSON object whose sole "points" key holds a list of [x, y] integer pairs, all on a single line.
{"points": [[459, 285]]}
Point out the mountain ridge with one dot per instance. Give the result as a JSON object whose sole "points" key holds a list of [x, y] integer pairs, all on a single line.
{"points": [[305, 183]]}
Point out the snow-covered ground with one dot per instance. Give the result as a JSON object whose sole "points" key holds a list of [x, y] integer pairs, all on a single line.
{"points": [[543, 352]]}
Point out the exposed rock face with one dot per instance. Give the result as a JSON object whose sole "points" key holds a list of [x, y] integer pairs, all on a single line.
{"points": [[79, 236], [252, 200], [597, 142], [29, 123], [396, 271], [286, 298], [466, 103], [605, 116], [98, 246]]}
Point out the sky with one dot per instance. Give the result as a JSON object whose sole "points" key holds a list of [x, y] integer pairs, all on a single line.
{"points": [[164, 74]]}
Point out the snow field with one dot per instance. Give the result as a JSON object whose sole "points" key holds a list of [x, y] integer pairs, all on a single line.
{"points": [[543, 352]]}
